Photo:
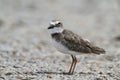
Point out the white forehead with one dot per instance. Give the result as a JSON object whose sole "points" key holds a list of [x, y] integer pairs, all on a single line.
{"points": [[54, 22]]}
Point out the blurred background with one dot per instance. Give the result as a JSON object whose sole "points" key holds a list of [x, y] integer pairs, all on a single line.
{"points": [[23, 29], [91, 18]]}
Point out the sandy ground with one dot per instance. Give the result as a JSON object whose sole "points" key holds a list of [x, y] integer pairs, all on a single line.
{"points": [[25, 49]]}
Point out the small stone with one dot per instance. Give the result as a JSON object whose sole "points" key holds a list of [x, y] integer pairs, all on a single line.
{"points": [[100, 73], [1, 22], [117, 38], [49, 76], [97, 79], [9, 73]]}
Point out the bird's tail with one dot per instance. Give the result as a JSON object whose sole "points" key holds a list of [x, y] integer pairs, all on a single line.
{"points": [[98, 50]]}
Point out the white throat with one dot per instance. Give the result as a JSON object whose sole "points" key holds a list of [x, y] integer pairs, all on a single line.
{"points": [[56, 30]]}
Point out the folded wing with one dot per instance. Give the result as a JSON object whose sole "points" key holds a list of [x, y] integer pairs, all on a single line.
{"points": [[77, 44]]}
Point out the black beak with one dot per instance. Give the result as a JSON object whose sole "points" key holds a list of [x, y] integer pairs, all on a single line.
{"points": [[50, 27]]}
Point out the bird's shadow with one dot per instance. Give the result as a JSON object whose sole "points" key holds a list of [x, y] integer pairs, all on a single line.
{"points": [[55, 73], [62, 73], [42, 72], [45, 72]]}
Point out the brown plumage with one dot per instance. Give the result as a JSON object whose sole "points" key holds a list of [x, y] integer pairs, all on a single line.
{"points": [[75, 43]]}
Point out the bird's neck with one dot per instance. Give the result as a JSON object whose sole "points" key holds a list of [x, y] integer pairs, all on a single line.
{"points": [[56, 30], [57, 36]]}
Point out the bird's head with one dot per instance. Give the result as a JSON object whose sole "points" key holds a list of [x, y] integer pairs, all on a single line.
{"points": [[55, 27]]}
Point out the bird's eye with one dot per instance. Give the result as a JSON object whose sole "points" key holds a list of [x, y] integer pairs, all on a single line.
{"points": [[59, 23]]}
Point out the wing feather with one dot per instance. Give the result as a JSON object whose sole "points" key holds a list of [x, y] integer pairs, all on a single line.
{"points": [[75, 43]]}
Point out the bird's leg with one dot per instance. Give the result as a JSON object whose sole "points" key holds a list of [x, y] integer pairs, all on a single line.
{"points": [[71, 67], [75, 61]]}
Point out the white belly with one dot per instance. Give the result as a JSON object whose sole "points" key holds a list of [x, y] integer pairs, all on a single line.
{"points": [[63, 49], [59, 46]]}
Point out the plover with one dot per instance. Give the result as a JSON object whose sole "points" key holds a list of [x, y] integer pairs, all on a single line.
{"points": [[70, 43]]}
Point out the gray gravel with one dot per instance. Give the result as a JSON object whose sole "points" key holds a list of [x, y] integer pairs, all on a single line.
{"points": [[25, 49]]}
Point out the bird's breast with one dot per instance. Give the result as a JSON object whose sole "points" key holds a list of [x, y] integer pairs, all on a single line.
{"points": [[62, 48], [59, 46]]}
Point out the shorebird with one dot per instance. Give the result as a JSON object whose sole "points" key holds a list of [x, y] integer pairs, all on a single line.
{"points": [[70, 43]]}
